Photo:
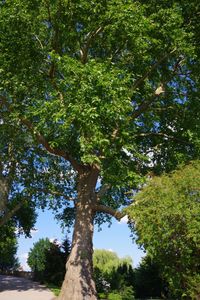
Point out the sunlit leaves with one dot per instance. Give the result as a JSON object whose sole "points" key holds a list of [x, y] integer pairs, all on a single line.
{"points": [[78, 71], [166, 214]]}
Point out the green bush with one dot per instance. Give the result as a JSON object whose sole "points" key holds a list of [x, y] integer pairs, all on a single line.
{"points": [[127, 293], [114, 296]]}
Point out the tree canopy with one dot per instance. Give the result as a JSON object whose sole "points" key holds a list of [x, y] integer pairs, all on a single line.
{"points": [[8, 249], [113, 275], [110, 89], [107, 260], [166, 215]]}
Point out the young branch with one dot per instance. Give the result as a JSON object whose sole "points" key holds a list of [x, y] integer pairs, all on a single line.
{"points": [[162, 134], [152, 68], [143, 107], [156, 94], [55, 193], [104, 188], [89, 38]]}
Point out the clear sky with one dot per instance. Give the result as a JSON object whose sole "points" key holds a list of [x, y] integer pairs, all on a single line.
{"points": [[116, 238]]}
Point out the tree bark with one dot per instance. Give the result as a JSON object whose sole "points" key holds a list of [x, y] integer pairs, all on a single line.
{"points": [[78, 283]]}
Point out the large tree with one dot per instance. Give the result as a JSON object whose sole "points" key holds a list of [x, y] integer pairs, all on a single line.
{"points": [[103, 86]]}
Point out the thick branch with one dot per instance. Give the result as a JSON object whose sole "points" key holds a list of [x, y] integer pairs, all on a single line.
{"points": [[58, 152], [108, 210], [41, 139]]}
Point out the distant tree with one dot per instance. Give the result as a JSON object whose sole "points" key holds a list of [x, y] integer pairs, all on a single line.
{"points": [[8, 249], [148, 281], [112, 273], [107, 260], [47, 260], [166, 216]]}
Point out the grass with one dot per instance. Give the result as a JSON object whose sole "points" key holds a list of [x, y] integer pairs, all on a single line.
{"points": [[55, 289]]}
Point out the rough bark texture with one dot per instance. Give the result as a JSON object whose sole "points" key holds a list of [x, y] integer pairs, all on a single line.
{"points": [[78, 283]]}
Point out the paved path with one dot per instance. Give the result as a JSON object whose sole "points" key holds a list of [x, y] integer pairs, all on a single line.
{"points": [[16, 288]]}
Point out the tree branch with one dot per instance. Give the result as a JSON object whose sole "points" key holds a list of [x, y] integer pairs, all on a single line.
{"points": [[108, 210], [55, 193], [41, 139], [160, 89], [143, 107], [104, 188], [162, 134], [89, 38], [152, 68]]}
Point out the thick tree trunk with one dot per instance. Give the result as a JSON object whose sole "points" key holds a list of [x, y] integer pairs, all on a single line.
{"points": [[78, 283]]}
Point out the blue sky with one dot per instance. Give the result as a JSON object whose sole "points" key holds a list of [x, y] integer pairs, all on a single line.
{"points": [[116, 238]]}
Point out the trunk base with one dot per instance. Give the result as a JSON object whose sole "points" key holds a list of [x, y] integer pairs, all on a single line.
{"points": [[77, 287]]}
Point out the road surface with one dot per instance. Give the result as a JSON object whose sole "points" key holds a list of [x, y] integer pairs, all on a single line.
{"points": [[16, 288]]}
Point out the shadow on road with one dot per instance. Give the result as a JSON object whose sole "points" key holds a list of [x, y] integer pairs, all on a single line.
{"points": [[9, 283]]}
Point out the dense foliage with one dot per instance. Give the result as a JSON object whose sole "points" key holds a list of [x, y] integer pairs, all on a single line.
{"points": [[8, 249], [47, 260], [148, 280], [113, 274], [166, 214], [90, 80], [111, 90]]}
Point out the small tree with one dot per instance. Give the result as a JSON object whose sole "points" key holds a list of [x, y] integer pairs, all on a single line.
{"points": [[47, 260], [166, 216], [113, 273]]}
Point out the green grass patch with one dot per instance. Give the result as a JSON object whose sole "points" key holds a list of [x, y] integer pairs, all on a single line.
{"points": [[55, 289]]}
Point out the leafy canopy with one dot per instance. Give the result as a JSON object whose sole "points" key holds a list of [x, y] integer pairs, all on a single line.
{"points": [[47, 260], [8, 249], [166, 216], [106, 84], [107, 260]]}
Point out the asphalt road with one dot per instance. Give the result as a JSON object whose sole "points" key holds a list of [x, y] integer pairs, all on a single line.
{"points": [[16, 288]]}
